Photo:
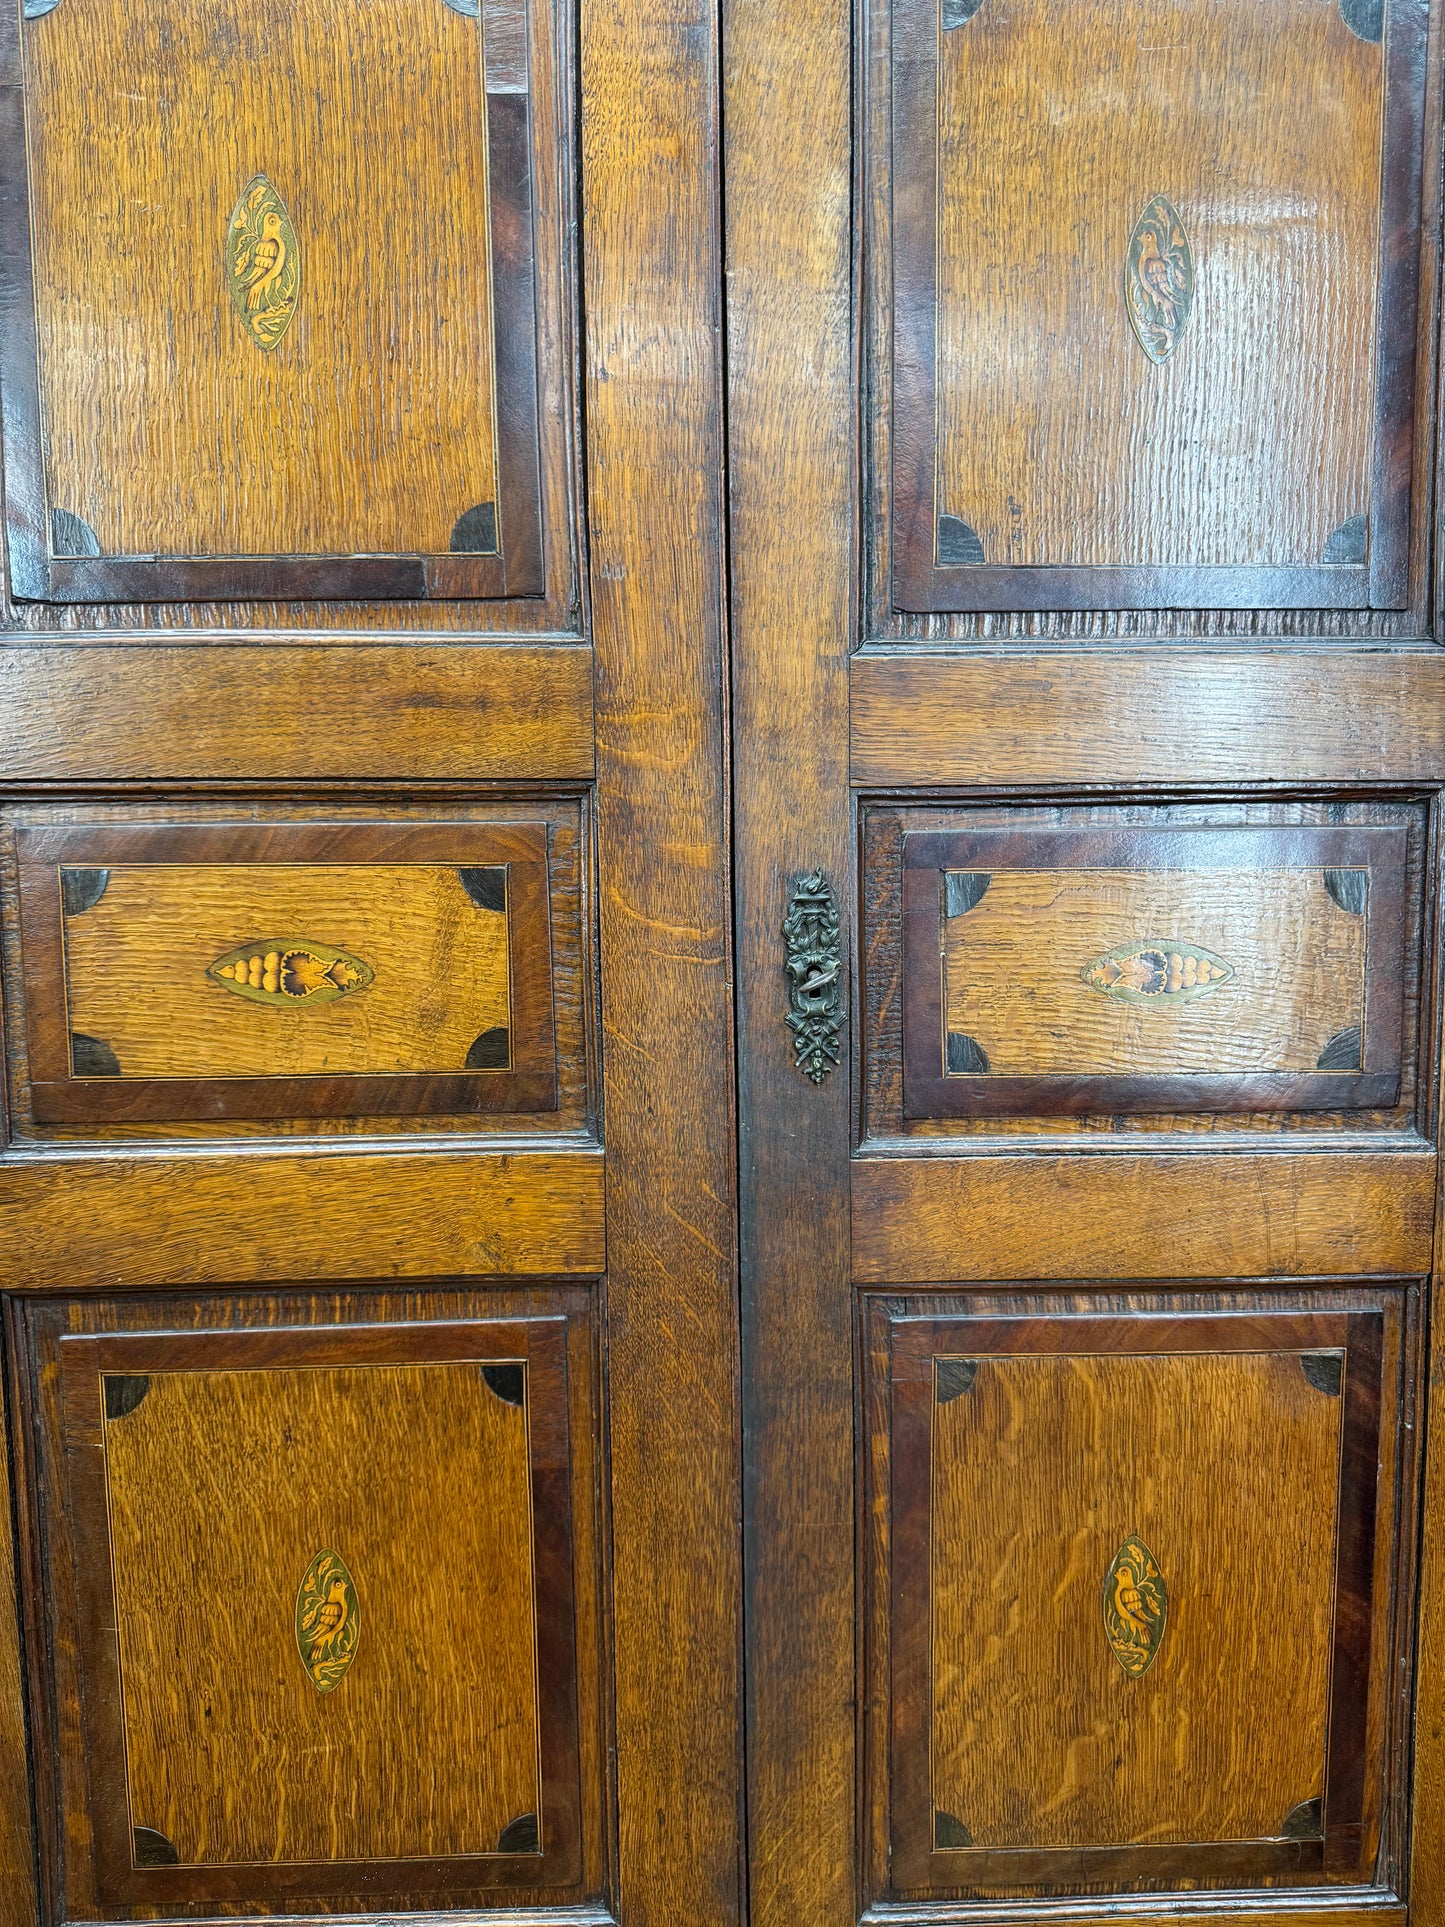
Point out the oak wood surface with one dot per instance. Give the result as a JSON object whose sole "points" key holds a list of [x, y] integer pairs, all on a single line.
{"points": [[650, 141], [298, 710], [82, 1223], [17, 1848], [1156, 1214]]}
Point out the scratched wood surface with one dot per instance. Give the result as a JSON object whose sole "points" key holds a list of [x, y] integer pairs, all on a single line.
{"points": [[369, 427], [140, 969], [217, 1701], [1014, 970], [1041, 1470], [1059, 441]]}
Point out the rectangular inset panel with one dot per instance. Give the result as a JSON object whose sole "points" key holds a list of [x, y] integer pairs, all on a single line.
{"points": [[287, 970], [309, 1665], [1106, 311], [1152, 970], [273, 325], [1134, 1613]]}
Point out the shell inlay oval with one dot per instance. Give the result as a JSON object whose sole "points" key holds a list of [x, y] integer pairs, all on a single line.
{"points": [[328, 1620], [1159, 279], [1135, 1603], [1165, 970], [279, 970], [263, 263]]}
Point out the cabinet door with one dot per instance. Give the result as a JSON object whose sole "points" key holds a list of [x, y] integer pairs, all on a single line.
{"points": [[1089, 710], [366, 1180]]}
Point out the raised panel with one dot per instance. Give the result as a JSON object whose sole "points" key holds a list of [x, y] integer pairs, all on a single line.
{"points": [[190, 970], [1135, 1584], [1103, 313], [272, 315], [308, 1663]]}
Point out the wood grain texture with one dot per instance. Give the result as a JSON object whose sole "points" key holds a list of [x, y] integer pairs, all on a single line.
{"points": [[400, 1335], [1013, 719], [793, 486], [85, 1223], [1427, 1831], [17, 1848], [1182, 1214], [1324, 1910], [297, 710], [650, 139]]}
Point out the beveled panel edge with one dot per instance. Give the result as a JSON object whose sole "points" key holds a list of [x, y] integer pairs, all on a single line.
{"points": [[17, 1852], [1342, 1908], [582, 1916], [285, 708], [1170, 716], [86, 1223], [1182, 1215]]}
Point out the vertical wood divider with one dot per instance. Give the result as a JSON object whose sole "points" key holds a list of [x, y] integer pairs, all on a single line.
{"points": [[789, 173], [655, 453]]}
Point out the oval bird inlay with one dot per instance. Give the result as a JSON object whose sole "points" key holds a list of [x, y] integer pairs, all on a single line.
{"points": [[278, 970], [1159, 279], [263, 263], [1135, 1603], [1164, 971], [328, 1620]]}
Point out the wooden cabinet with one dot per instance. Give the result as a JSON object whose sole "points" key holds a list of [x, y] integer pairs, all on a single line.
{"points": [[722, 737]]}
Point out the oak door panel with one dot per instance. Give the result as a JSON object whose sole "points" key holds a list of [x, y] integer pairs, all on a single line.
{"points": [[1102, 318], [305, 1667], [283, 337], [1138, 1594]]}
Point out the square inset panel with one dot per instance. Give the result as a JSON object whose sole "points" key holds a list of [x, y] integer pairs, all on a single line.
{"points": [[273, 316], [1121, 1552], [1139, 969], [325, 1607], [1107, 302], [286, 970]]}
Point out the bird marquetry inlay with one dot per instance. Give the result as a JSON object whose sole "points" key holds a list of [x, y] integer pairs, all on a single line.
{"points": [[1135, 1603], [328, 1621], [1168, 972], [282, 971], [263, 263], [1159, 279]]}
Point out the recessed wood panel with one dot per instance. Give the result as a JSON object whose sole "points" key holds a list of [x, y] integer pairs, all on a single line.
{"points": [[1137, 970], [306, 1667], [273, 326], [233, 971], [1105, 312], [1135, 1629]]}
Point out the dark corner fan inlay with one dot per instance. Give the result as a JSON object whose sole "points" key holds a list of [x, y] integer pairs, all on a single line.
{"points": [[952, 1377], [966, 1056], [1350, 889], [486, 885], [1364, 18], [957, 13], [92, 1057], [1350, 541], [509, 1382], [1344, 1051], [123, 1392], [492, 1051], [1305, 1822], [475, 531], [948, 1831], [521, 1835], [81, 890], [70, 534], [962, 889], [1324, 1370], [37, 9], [152, 1849], [958, 544]]}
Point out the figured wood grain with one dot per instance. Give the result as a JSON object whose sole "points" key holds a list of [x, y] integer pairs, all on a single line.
{"points": [[1013, 970], [1212, 717], [79, 1223], [298, 709], [244, 1476], [791, 439], [371, 426], [1183, 1215], [650, 141], [1427, 1834], [17, 1849], [1058, 440], [137, 963], [1040, 1471]]}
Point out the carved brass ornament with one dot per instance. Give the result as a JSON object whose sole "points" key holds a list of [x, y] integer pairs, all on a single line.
{"points": [[280, 971], [1135, 1603], [1167, 971], [1159, 279], [263, 263], [328, 1621], [814, 963]]}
